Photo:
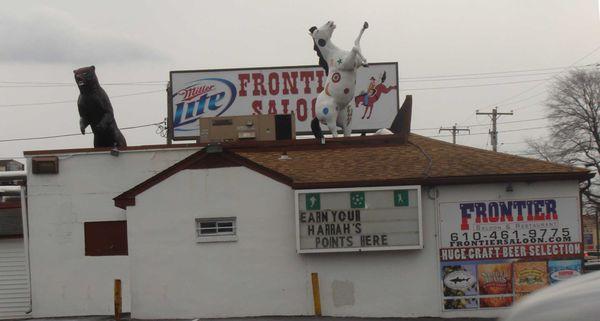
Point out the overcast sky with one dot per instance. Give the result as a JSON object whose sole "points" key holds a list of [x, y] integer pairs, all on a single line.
{"points": [[42, 42]]}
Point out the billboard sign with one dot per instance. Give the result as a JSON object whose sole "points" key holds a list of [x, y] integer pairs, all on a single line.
{"points": [[495, 252], [276, 90], [507, 229], [359, 219]]}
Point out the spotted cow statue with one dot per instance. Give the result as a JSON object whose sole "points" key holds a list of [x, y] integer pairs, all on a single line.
{"points": [[333, 103]]}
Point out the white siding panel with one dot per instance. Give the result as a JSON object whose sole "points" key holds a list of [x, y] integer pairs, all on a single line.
{"points": [[15, 296]]}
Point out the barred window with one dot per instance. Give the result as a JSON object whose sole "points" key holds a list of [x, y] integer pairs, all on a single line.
{"points": [[220, 229]]}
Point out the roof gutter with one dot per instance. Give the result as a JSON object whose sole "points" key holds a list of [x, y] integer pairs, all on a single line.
{"points": [[12, 175], [449, 180], [10, 190]]}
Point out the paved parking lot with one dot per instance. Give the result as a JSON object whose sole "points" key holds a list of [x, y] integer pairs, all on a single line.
{"points": [[283, 318]]}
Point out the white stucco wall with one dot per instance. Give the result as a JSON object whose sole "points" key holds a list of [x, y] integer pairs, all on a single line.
{"points": [[261, 274], [168, 275], [65, 281], [465, 193]]}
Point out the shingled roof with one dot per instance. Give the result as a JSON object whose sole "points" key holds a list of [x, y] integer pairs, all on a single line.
{"points": [[367, 161]]}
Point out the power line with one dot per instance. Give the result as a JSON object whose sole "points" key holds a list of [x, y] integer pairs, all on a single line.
{"points": [[158, 123], [501, 74], [573, 65], [38, 84], [537, 85], [487, 133], [478, 85], [511, 122], [15, 84], [74, 101], [498, 72], [479, 125], [475, 77], [161, 90], [67, 135]]}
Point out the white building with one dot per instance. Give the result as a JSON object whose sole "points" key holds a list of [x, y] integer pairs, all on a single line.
{"points": [[214, 231], [14, 275]]}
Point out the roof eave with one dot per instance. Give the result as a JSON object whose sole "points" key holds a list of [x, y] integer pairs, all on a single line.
{"points": [[450, 180]]}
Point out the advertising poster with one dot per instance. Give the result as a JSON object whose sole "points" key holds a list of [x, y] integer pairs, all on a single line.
{"points": [[513, 247], [460, 286], [564, 269], [277, 90], [460, 279], [462, 303], [530, 276], [496, 302], [494, 278]]}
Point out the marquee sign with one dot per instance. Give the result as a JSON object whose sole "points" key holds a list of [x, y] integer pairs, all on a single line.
{"points": [[359, 219], [276, 90]]}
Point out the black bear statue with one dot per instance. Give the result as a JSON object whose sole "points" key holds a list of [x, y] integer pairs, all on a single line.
{"points": [[96, 111]]}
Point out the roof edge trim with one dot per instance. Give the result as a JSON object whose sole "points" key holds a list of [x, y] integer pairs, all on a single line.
{"points": [[579, 176]]}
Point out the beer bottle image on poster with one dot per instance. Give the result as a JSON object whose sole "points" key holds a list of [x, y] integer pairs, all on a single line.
{"points": [[530, 276], [495, 283]]}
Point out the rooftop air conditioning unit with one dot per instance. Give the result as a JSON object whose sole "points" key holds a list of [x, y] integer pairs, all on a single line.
{"points": [[253, 127]]}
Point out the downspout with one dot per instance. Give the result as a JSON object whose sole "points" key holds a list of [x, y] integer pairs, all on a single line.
{"points": [[25, 219]]}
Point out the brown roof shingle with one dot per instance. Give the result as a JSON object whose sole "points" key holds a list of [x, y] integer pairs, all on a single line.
{"points": [[368, 161], [422, 160]]}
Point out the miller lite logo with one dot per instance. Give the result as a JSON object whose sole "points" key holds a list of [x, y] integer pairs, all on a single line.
{"points": [[208, 97]]}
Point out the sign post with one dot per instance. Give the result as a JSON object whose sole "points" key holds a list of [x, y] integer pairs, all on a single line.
{"points": [[118, 300]]}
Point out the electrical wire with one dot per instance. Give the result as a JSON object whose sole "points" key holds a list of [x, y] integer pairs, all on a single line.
{"points": [[484, 133], [402, 80], [476, 85], [40, 84], [161, 90], [537, 85], [449, 77], [74, 101], [67, 135], [498, 72], [479, 125]]}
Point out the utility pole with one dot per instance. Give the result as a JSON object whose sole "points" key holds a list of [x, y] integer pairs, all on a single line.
{"points": [[494, 115], [597, 230], [454, 131], [169, 124]]}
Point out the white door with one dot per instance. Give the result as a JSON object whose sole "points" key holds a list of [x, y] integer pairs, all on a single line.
{"points": [[15, 300]]}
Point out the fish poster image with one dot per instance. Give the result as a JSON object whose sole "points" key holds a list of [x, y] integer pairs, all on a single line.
{"points": [[530, 276], [459, 280], [563, 269], [495, 278]]}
